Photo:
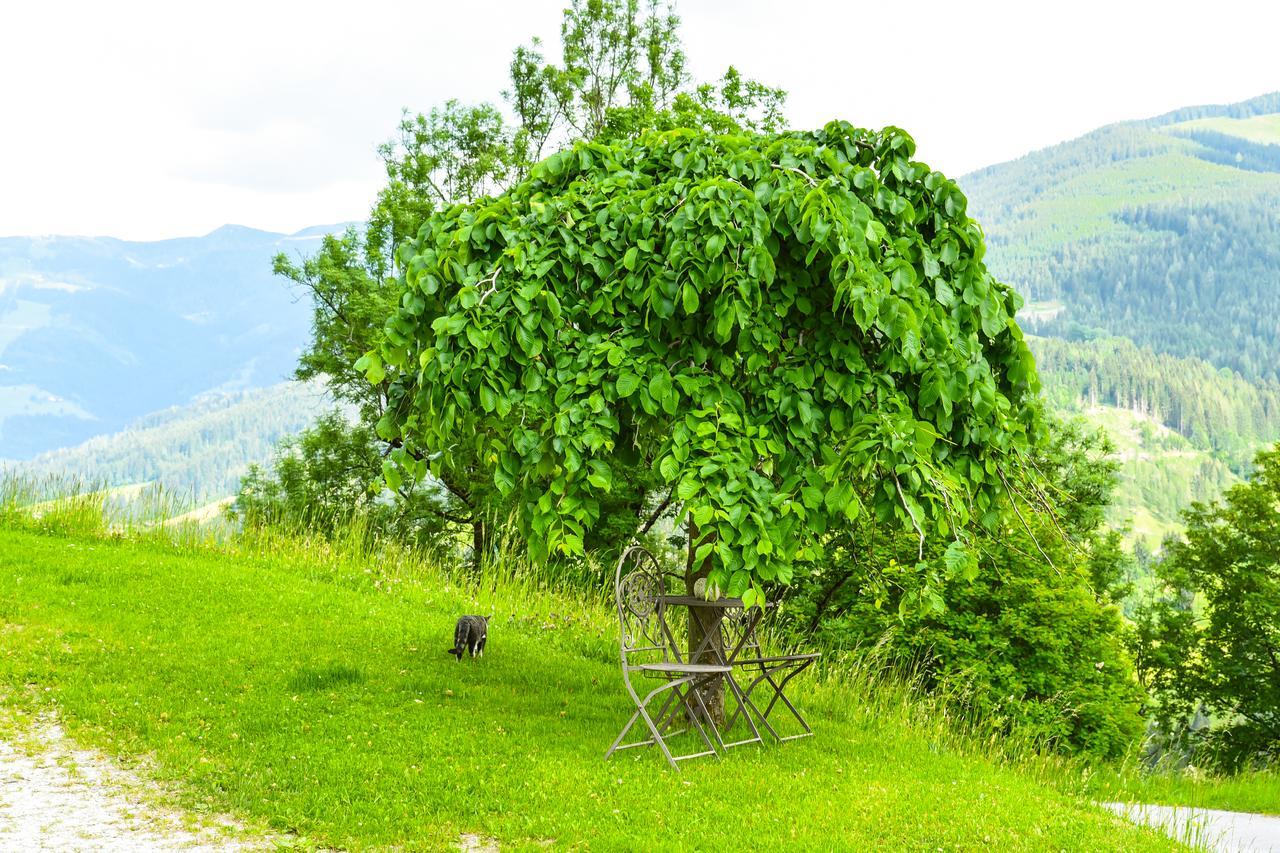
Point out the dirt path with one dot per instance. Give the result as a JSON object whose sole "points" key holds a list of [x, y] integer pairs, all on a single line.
{"points": [[54, 796], [1211, 829]]}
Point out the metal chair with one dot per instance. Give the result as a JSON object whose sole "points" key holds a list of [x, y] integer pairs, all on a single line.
{"points": [[741, 631], [645, 647]]}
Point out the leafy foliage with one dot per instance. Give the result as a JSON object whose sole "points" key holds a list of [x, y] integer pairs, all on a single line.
{"points": [[1213, 638], [621, 70], [324, 477], [1025, 637], [790, 330]]}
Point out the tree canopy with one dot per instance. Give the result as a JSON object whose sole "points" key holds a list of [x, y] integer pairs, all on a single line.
{"points": [[621, 70], [1211, 639], [792, 330]]}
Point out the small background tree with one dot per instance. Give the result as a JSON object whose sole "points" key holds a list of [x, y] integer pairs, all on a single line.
{"points": [[1211, 637]]}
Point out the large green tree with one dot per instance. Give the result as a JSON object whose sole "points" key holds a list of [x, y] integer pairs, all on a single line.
{"points": [[1211, 639], [791, 331], [621, 70]]}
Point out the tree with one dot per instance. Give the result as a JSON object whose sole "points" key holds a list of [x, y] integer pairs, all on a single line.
{"points": [[789, 330], [621, 70], [324, 478], [1212, 638]]}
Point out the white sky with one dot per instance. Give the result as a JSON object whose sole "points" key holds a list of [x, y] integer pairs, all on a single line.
{"points": [[149, 120]]}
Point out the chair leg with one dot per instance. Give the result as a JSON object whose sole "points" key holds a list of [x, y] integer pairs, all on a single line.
{"points": [[655, 732], [706, 715], [616, 744], [745, 707], [779, 693]]}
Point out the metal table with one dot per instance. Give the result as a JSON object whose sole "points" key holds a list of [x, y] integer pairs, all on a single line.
{"points": [[710, 614]]}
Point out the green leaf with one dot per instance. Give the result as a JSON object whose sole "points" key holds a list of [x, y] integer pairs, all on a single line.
{"points": [[391, 473], [715, 245], [627, 384], [689, 296], [629, 259], [688, 488], [371, 365], [660, 386]]}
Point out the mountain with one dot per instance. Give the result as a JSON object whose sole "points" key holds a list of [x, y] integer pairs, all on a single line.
{"points": [[1163, 231], [96, 332], [197, 451], [1149, 255]]}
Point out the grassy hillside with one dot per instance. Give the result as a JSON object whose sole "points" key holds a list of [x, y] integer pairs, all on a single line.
{"points": [[198, 451], [1162, 231], [306, 687], [1161, 473]]}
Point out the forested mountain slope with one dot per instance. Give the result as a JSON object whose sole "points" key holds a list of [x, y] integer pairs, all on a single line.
{"points": [[198, 451], [1165, 231]]}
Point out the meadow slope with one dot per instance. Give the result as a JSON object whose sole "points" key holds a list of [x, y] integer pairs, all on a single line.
{"points": [[310, 690]]}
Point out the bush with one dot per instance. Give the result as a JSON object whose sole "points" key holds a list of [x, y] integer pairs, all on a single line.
{"points": [[1032, 642]]}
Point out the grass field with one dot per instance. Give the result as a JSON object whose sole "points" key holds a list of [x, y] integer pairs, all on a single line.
{"points": [[1264, 129], [306, 689]]}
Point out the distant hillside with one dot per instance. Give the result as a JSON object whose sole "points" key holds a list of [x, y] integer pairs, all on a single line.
{"points": [[1165, 231], [1215, 409], [1183, 429], [97, 332], [197, 451]]}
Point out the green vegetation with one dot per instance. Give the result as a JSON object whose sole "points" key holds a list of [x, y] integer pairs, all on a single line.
{"points": [[305, 685], [1160, 474], [1209, 639], [1263, 129], [1184, 430], [1257, 792], [621, 70], [786, 331], [1030, 642]]}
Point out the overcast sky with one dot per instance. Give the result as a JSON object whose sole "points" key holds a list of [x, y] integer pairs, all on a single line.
{"points": [[150, 120]]}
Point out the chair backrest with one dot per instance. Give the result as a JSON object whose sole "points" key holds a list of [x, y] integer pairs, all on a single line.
{"points": [[734, 629], [638, 583]]}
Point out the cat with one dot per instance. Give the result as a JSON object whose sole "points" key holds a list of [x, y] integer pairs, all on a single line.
{"points": [[469, 635]]}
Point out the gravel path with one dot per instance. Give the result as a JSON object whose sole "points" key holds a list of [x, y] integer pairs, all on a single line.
{"points": [[1211, 829], [54, 796]]}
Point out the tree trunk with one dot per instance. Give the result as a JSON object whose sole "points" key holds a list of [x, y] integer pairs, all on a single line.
{"points": [[704, 621], [479, 543]]}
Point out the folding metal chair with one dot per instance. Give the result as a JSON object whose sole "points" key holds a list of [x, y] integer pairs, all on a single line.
{"points": [[639, 584], [742, 632]]}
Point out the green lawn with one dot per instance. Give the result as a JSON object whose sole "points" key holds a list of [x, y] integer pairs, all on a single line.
{"points": [[311, 692]]}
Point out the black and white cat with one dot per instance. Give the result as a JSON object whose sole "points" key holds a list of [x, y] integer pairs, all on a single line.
{"points": [[469, 635]]}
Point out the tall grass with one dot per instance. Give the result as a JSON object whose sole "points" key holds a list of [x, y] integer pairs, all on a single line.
{"points": [[73, 506]]}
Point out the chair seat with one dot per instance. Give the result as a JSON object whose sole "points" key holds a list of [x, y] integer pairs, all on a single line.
{"points": [[691, 668], [797, 658]]}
